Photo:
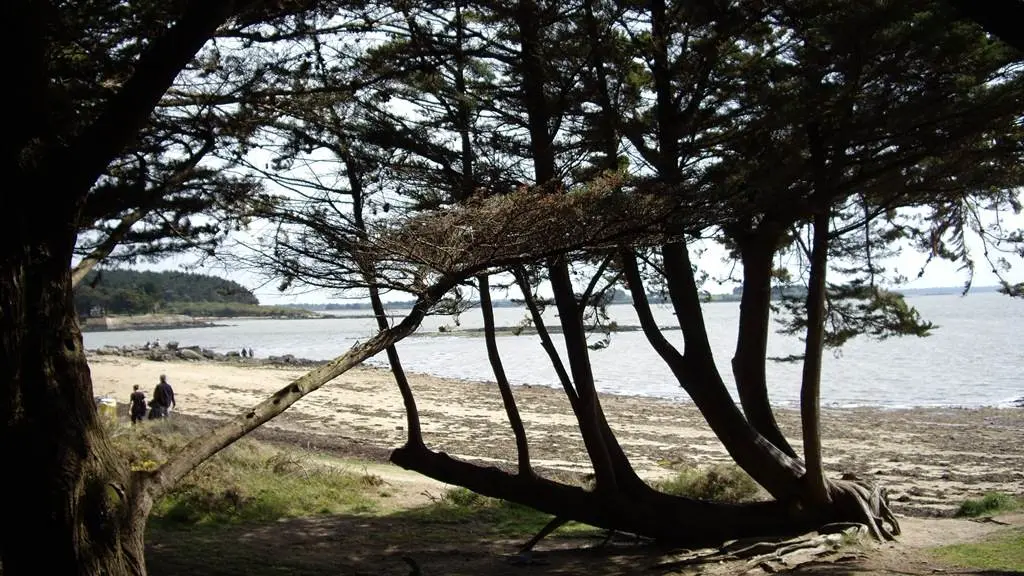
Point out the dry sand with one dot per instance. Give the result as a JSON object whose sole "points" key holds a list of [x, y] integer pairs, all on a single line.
{"points": [[930, 459]]}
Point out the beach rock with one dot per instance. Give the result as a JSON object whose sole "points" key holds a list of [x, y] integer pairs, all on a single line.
{"points": [[1019, 402], [188, 354], [173, 351]]}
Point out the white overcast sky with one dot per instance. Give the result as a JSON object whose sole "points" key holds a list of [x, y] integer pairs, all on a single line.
{"points": [[938, 274]]}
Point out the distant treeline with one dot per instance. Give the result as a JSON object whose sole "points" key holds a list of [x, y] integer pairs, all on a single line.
{"points": [[131, 292]]}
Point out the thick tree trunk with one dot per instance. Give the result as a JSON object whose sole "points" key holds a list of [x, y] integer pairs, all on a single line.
{"points": [[67, 490], [748, 365], [668, 519], [507, 399]]}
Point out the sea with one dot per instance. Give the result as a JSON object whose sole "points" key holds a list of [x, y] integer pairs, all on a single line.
{"points": [[973, 358]]}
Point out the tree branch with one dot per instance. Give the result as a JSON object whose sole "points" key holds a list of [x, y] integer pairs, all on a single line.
{"points": [[106, 247], [200, 449], [78, 165]]}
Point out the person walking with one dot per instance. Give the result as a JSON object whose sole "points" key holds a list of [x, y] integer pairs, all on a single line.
{"points": [[137, 401], [163, 399]]}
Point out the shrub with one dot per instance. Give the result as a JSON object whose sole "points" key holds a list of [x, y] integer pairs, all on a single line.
{"points": [[720, 483]]}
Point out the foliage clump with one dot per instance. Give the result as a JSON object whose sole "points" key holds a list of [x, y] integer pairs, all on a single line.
{"points": [[719, 483]]}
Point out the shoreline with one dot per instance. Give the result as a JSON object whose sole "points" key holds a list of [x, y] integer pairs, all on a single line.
{"points": [[172, 351], [930, 459]]}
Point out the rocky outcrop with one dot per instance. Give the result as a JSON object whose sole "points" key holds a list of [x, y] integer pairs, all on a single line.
{"points": [[174, 351], [143, 322]]}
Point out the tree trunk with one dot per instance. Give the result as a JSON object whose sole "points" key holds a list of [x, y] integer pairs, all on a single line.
{"points": [[507, 399], [545, 337], [67, 489], [353, 170], [748, 365], [414, 435], [587, 408], [668, 519], [810, 396], [696, 372]]}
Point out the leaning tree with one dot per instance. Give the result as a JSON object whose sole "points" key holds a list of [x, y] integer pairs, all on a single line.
{"points": [[775, 129]]}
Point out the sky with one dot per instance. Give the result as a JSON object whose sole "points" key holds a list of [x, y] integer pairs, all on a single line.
{"points": [[938, 274]]}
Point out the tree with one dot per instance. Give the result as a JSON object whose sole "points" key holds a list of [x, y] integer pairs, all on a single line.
{"points": [[89, 77], [761, 165], [97, 145]]}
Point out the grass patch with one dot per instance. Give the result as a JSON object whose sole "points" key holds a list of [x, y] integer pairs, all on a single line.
{"points": [[991, 503], [1002, 551], [720, 483], [499, 517], [247, 482]]}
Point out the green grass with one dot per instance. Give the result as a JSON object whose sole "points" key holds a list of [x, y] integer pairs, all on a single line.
{"points": [[507, 519], [991, 503], [247, 482], [720, 483], [1002, 551]]}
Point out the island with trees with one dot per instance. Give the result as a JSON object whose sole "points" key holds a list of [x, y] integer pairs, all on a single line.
{"points": [[128, 299]]}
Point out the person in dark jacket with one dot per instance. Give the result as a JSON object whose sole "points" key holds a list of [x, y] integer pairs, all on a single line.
{"points": [[163, 399], [138, 404]]}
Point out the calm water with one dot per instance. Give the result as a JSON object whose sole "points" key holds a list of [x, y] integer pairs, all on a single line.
{"points": [[974, 358]]}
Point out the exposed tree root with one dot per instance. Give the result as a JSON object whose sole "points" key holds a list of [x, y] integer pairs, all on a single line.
{"points": [[865, 503], [757, 552]]}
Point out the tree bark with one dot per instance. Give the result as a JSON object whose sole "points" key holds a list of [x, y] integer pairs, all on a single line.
{"points": [[810, 389], [67, 488], [757, 251], [507, 399]]}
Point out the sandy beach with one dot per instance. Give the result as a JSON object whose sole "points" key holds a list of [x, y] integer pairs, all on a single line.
{"points": [[930, 459]]}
